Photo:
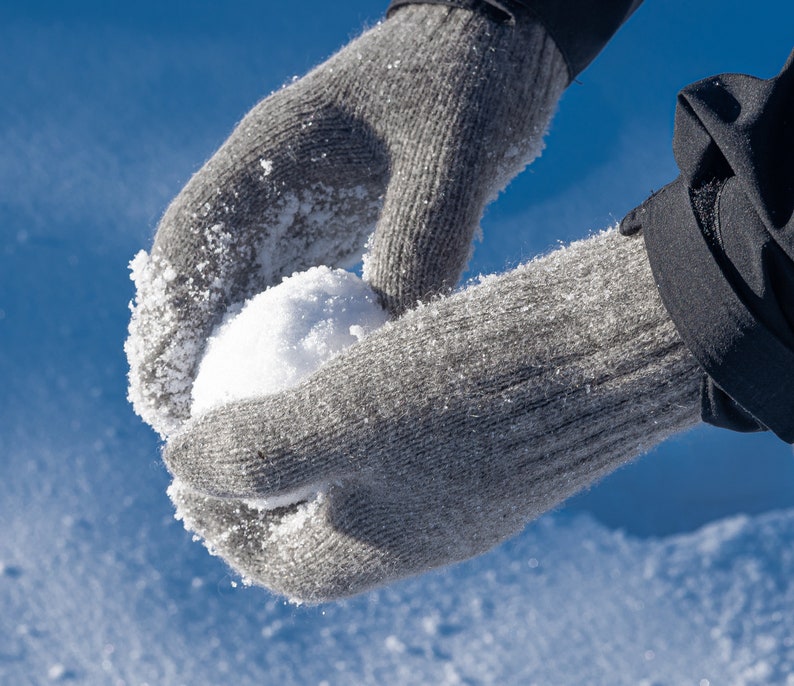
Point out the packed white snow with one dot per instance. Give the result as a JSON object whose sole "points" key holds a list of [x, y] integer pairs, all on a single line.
{"points": [[283, 334]]}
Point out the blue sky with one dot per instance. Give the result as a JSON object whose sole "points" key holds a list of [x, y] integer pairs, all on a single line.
{"points": [[106, 108]]}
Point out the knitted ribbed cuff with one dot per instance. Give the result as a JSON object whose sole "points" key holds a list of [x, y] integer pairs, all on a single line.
{"points": [[498, 12], [580, 28]]}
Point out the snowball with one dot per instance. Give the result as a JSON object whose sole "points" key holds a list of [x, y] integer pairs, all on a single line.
{"points": [[283, 334]]}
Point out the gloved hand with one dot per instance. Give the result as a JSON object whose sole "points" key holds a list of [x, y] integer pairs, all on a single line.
{"points": [[443, 433], [415, 125]]}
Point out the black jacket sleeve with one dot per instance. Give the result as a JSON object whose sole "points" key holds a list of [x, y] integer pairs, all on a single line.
{"points": [[720, 241], [579, 28]]}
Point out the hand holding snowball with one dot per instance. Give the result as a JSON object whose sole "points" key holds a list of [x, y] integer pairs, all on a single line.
{"points": [[444, 432], [281, 336], [409, 130]]}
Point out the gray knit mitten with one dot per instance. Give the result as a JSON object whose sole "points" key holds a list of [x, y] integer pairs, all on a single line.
{"points": [[444, 433], [414, 126]]}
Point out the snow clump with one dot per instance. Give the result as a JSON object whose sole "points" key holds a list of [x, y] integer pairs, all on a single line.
{"points": [[283, 334]]}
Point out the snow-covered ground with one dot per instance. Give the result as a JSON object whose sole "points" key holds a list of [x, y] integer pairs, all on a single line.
{"points": [[676, 570]]}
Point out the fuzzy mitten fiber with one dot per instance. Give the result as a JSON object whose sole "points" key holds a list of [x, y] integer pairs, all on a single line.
{"points": [[445, 432], [414, 127]]}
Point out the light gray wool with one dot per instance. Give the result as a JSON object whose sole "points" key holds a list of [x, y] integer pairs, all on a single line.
{"points": [[445, 432], [415, 126]]}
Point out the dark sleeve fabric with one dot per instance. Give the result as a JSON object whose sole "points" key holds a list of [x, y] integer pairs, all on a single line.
{"points": [[579, 28], [720, 241]]}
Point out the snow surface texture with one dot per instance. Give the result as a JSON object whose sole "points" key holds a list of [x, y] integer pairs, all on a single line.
{"points": [[569, 602], [283, 334]]}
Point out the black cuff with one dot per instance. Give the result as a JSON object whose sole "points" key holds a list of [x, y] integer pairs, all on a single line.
{"points": [[720, 241], [579, 28]]}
